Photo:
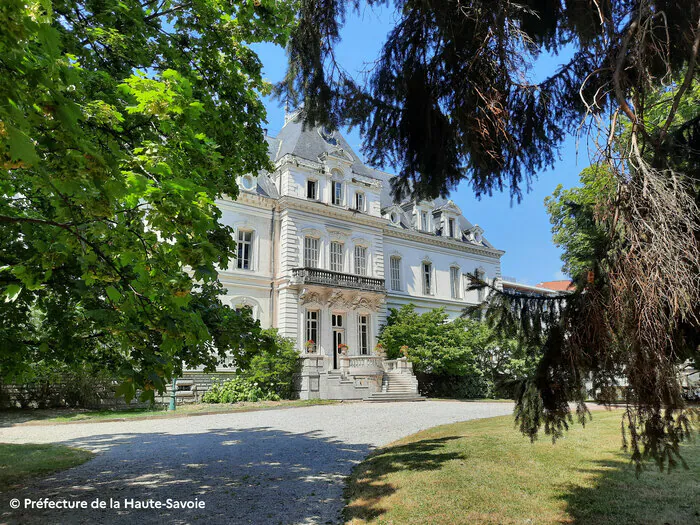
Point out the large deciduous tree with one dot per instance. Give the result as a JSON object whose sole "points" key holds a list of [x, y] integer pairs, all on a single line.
{"points": [[450, 100], [121, 122]]}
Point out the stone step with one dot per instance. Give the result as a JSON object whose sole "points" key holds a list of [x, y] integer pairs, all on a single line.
{"points": [[378, 397]]}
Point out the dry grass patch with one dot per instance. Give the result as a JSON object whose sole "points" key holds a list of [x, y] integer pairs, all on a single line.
{"points": [[485, 472]]}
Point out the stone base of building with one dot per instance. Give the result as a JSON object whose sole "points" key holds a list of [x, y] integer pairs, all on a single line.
{"points": [[357, 378]]}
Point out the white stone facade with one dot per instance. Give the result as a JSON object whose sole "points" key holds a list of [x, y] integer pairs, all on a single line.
{"points": [[324, 251]]}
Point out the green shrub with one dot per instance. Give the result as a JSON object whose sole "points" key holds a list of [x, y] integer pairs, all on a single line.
{"points": [[236, 390], [462, 358], [472, 386], [273, 370]]}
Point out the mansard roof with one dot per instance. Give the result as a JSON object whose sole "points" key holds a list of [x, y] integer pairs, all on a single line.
{"points": [[314, 144]]}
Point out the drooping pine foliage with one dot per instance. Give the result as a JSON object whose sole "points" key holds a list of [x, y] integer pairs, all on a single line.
{"points": [[450, 100]]}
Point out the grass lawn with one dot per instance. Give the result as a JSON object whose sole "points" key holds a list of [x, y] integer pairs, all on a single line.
{"points": [[485, 472], [18, 463], [48, 416]]}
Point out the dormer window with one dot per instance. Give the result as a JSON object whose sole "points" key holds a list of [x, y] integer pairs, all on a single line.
{"points": [[451, 227], [360, 201], [424, 224], [312, 189], [394, 217], [337, 193]]}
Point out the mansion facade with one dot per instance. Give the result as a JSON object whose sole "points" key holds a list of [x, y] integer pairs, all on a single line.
{"points": [[323, 252]]}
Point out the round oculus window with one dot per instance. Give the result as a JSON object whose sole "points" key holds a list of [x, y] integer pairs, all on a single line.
{"points": [[247, 183]]}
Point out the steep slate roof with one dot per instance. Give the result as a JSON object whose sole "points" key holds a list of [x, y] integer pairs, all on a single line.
{"points": [[310, 144]]}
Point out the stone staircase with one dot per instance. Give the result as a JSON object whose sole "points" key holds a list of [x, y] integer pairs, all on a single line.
{"points": [[397, 386]]}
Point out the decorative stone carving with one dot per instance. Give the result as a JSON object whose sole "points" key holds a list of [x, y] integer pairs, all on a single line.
{"points": [[306, 296]]}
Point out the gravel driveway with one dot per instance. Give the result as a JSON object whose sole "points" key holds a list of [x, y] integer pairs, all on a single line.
{"points": [[276, 466]]}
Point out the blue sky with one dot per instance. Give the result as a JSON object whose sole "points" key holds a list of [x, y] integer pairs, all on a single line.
{"points": [[522, 230]]}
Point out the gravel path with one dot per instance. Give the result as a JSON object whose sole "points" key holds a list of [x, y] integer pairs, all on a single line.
{"points": [[268, 467]]}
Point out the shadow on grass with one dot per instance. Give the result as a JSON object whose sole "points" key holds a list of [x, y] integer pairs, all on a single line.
{"points": [[366, 487], [617, 496]]}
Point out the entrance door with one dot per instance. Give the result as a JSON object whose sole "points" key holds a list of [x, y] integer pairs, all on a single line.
{"points": [[338, 337]]}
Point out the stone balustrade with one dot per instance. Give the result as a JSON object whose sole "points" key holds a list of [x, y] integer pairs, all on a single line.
{"points": [[401, 365], [337, 280]]}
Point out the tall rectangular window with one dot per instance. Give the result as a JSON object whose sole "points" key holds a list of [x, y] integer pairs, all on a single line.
{"points": [[424, 221], [310, 252], [312, 327], [360, 260], [245, 250], [337, 197], [427, 278], [363, 326], [451, 223], [481, 293], [454, 282], [337, 257], [395, 270], [360, 201], [312, 189]]}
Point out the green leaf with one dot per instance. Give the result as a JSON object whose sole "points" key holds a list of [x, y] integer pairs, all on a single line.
{"points": [[113, 294], [12, 292]]}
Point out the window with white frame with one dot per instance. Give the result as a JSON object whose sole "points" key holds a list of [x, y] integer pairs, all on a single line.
{"points": [[312, 189], [424, 224], [311, 252], [337, 257], [245, 250], [454, 282], [337, 193], [360, 201], [427, 278], [312, 319], [395, 271], [451, 227], [363, 335], [360, 260]]}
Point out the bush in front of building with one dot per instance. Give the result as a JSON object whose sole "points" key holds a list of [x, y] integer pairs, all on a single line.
{"points": [[236, 390], [462, 358], [273, 368], [264, 372]]}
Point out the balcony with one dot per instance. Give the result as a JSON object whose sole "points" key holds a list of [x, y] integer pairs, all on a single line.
{"points": [[337, 280]]}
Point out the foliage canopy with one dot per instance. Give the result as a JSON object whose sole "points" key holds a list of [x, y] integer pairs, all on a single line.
{"points": [[121, 122]]}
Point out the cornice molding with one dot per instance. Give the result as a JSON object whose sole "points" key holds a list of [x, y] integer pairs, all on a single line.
{"points": [[444, 242], [252, 199], [288, 202]]}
